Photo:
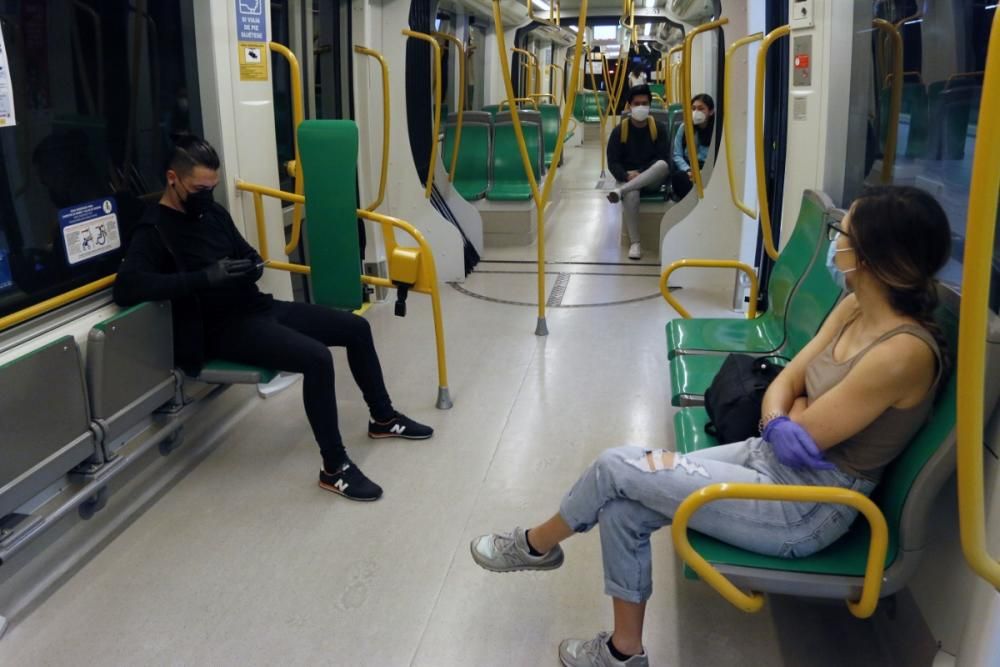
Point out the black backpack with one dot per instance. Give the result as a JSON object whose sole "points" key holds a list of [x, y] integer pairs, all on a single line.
{"points": [[733, 400]]}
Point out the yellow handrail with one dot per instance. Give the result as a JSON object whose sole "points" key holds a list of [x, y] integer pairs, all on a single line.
{"points": [[896, 98], [976, 273], [727, 121], [42, 307], [538, 96], [436, 130], [619, 87], [384, 175], [518, 100], [298, 115], [758, 128], [427, 277], [752, 602], [692, 147], [662, 102], [461, 100], [552, 79], [554, 14], [535, 73], [673, 95], [709, 264], [540, 197], [600, 114]]}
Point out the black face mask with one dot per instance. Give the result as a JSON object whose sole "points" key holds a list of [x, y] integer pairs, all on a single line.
{"points": [[198, 202]]}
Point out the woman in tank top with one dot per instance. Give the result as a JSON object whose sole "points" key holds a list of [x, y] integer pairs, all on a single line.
{"points": [[843, 409]]}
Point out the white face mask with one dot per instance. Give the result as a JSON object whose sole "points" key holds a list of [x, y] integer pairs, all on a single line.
{"points": [[640, 113], [699, 117]]}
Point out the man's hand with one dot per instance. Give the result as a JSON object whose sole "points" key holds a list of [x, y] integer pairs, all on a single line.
{"points": [[631, 174], [227, 270]]}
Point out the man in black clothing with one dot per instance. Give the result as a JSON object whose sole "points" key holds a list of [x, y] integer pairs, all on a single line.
{"points": [[638, 154], [188, 250]]}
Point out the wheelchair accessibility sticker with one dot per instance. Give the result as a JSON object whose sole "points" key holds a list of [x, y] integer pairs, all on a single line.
{"points": [[90, 229]]}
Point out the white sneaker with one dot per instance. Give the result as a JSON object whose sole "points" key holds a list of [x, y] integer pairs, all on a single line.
{"points": [[594, 653], [634, 251], [614, 196]]}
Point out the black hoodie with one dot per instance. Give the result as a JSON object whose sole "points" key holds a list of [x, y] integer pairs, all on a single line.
{"points": [[167, 258]]}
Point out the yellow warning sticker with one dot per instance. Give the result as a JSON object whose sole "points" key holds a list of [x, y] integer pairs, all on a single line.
{"points": [[253, 61]]}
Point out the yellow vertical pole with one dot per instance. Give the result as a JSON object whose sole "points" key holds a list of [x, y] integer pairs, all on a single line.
{"points": [[758, 129], [692, 147], [460, 49], [436, 129]]}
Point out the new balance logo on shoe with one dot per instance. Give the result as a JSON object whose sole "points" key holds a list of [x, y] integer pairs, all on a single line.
{"points": [[341, 485], [397, 429]]}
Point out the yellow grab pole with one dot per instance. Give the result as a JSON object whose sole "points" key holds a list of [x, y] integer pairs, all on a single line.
{"points": [[518, 100], [436, 130], [461, 99], [727, 121], [758, 128], [49, 305], [540, 197], [878, 545], [385, 124], [532, 84], [976, 271], [552, 84], [600, 113], [709, 264], [673, 95], [298, 115], [895, 99], [692, 147]]}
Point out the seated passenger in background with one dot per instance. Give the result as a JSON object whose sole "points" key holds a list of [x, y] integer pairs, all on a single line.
{"points": [[703, 109], [638, 150], [188, 250], [837, 415]]}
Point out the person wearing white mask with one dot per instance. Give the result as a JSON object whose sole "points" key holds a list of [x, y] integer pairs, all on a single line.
{"points": [[703, 109], [638, 151]]}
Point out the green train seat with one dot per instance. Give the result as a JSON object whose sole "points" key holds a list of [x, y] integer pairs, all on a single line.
{"points": [[766, 333], [510, 182], [906, 492], [550, 130], [472, 170]]}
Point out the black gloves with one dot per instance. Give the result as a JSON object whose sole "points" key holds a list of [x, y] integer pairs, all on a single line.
{"points": [[228, 270]]}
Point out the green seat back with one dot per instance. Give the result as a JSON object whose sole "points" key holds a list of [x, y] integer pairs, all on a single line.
{"points": [[472, 170], [510, 182], [491, 109], [329, 151]]}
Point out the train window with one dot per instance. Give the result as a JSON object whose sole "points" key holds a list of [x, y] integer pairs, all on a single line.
{"points": [[941, 90], [98, 87], [281, 86]]}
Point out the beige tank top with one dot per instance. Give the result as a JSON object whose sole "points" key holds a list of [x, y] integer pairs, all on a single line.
{"points": [[867, 453]]}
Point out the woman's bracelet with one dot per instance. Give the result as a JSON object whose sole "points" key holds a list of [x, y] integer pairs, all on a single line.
{"points": [[767, 418]]}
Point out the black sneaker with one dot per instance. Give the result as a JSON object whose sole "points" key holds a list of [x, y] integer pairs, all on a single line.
{"points": [[399, 426], [351, 483]]}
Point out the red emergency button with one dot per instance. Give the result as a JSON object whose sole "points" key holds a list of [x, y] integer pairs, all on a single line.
{"points": [[802, 61]]}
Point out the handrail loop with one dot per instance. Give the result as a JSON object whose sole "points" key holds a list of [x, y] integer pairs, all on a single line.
{"points": [[727, 120], [554, 14], [461, 99], [671, 86], [709, 264], [877, 548], [758, 127], [436, 129], [976, 275], [895, 100], [385, 124], [601, 114], [692, 147], [518, 100], [556, 70], [298, 115], [540, 197], [535, 73]]}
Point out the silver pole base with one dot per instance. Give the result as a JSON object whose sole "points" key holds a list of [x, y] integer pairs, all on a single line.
{"points": [[541, 329], [444, 399]]}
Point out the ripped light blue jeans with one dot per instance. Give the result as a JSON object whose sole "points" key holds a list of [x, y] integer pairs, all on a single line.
{"points": [[630, 500]]}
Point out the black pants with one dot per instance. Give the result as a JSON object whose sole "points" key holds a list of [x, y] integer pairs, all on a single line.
{"points": [[296, 337], [681, 183]]}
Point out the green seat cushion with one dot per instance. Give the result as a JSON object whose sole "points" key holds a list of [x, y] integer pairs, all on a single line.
{"points": [[653, 197], [550, 129], [218, 371], [760, 335], [689, 430], [509, 192]]}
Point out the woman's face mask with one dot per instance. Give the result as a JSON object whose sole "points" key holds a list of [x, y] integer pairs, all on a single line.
{"points": [[699, 117], [839, 275], [640, 113]]}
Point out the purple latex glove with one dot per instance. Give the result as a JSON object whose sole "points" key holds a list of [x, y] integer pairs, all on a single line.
{"points": [[793, 445]]}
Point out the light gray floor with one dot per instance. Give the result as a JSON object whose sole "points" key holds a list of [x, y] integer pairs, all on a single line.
{"points": [[246, 562]]}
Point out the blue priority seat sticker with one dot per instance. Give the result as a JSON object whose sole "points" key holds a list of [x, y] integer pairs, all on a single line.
{"points": [[90, 229]]}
